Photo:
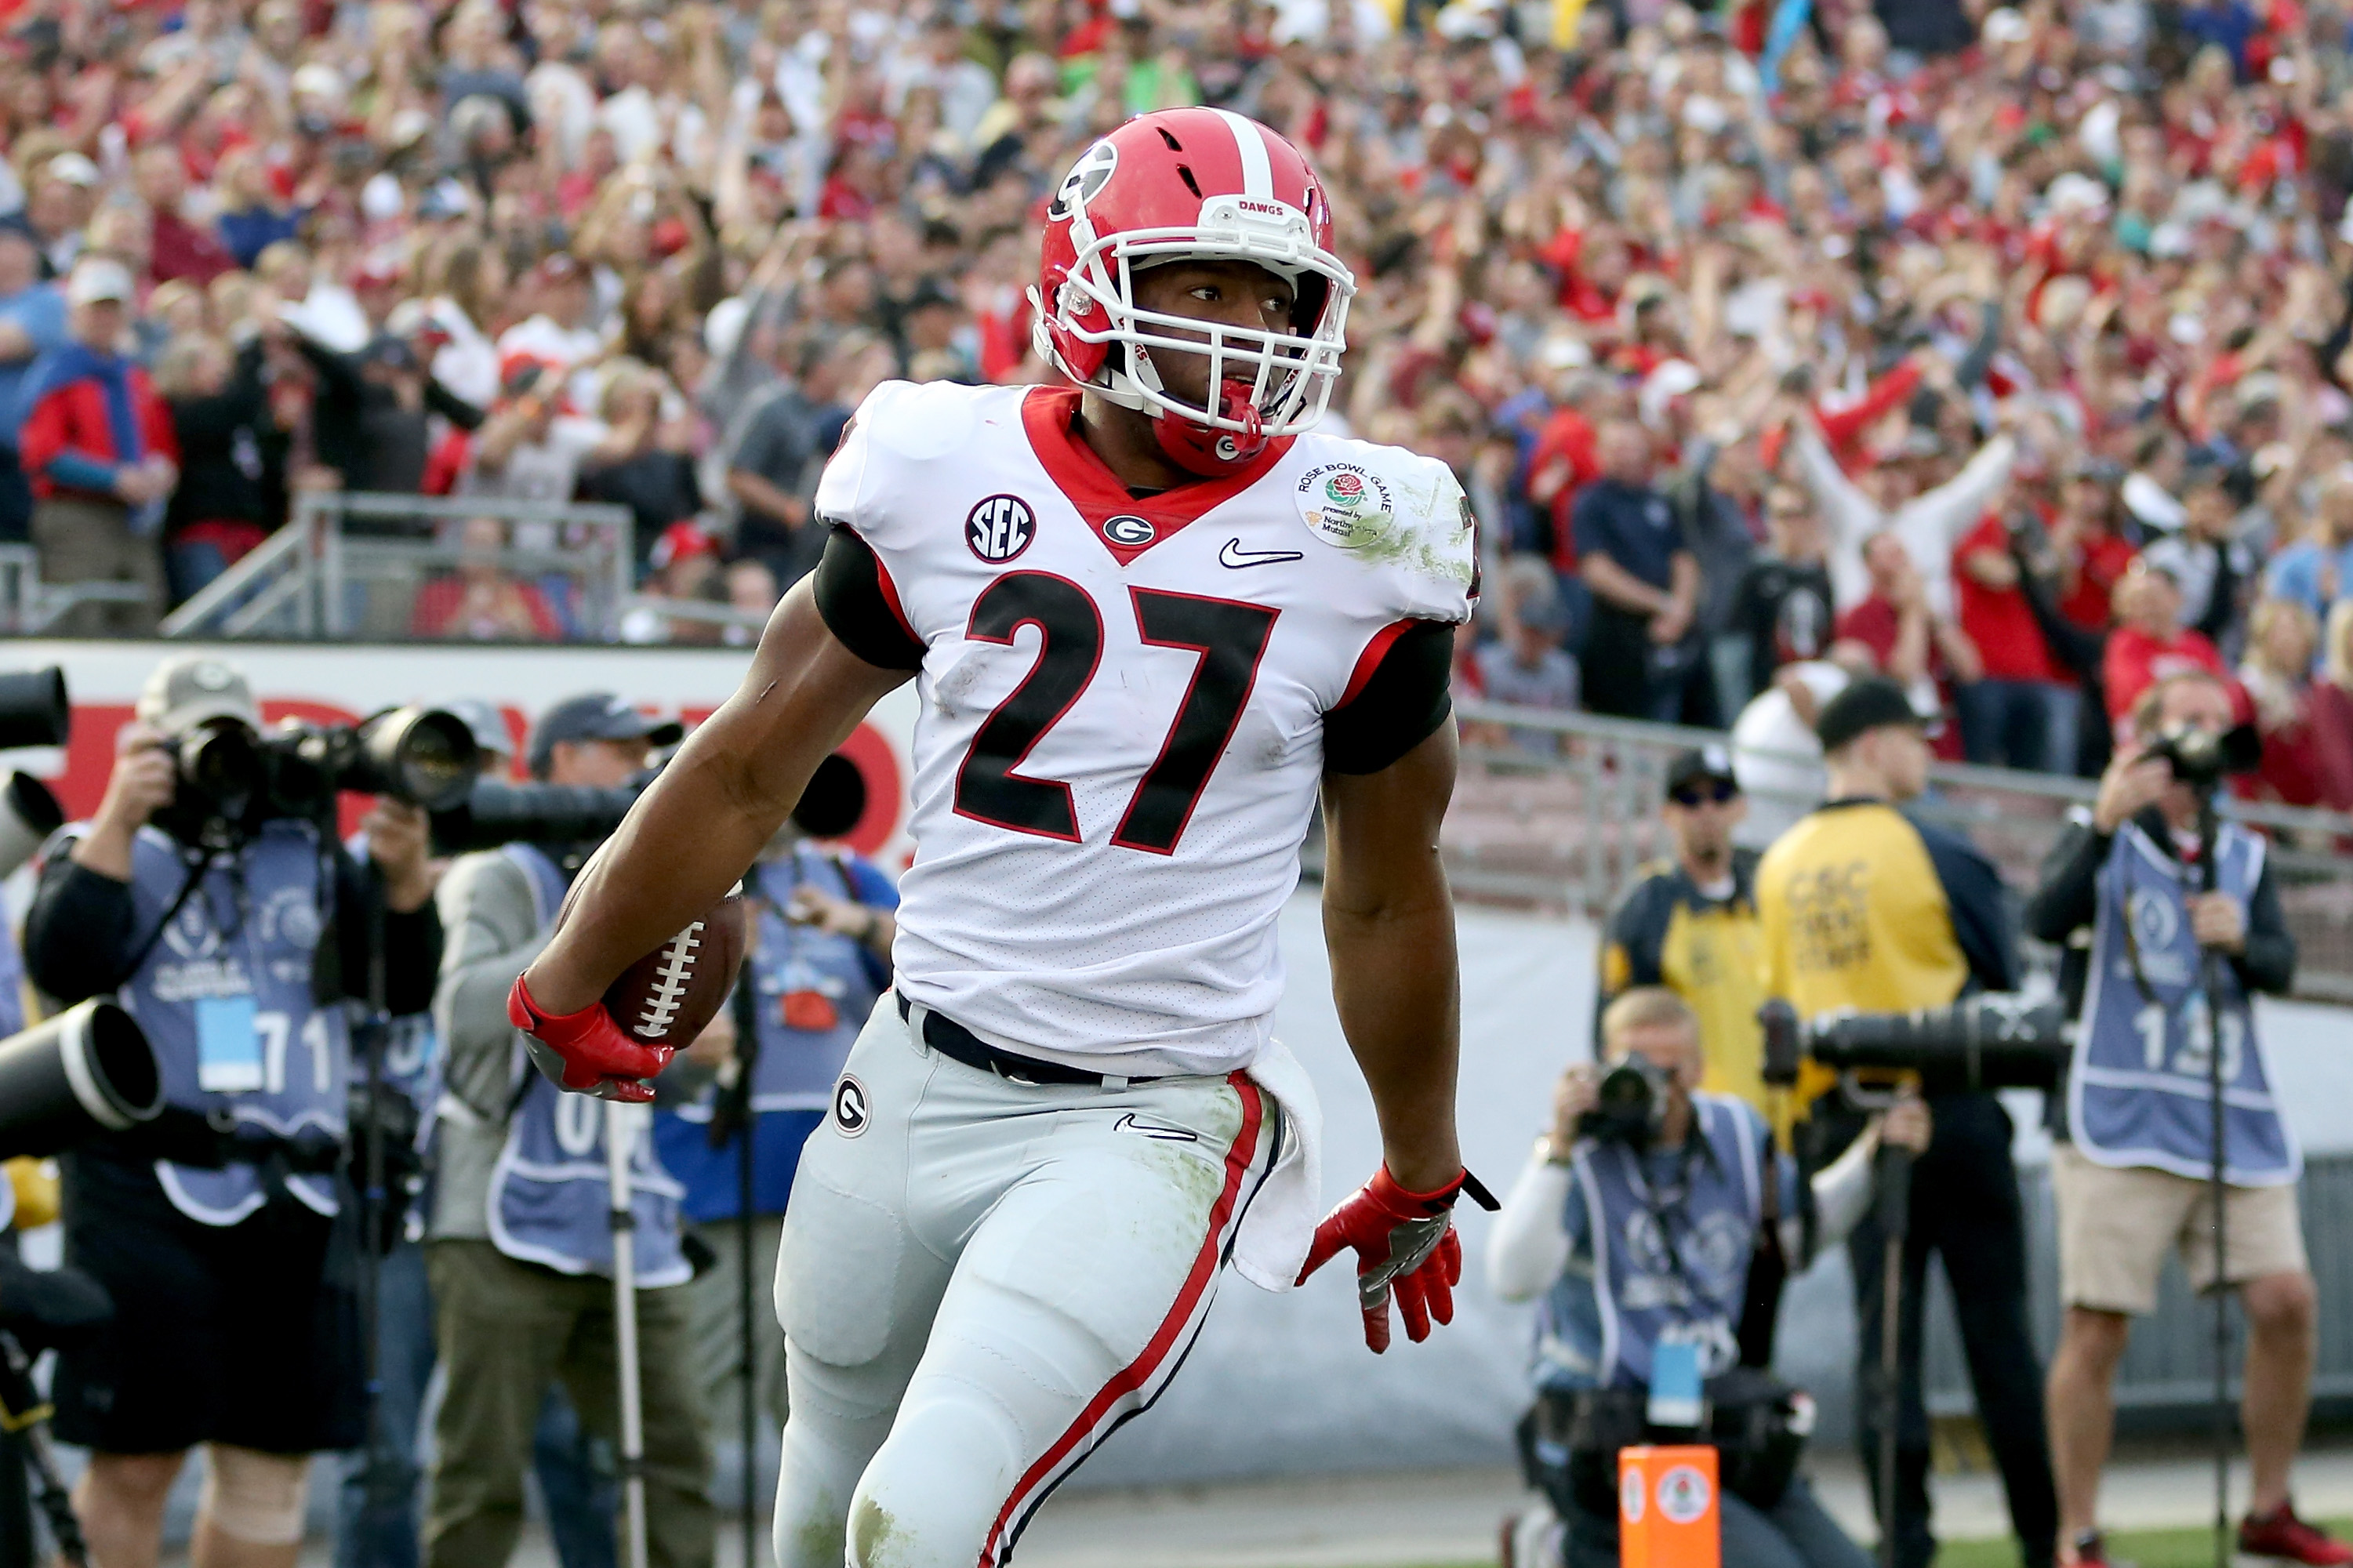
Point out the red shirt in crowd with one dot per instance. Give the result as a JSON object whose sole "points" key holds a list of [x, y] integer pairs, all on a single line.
{"points": [[1999, 620], [1876, 623], [2105, 559], [2136, 661]]}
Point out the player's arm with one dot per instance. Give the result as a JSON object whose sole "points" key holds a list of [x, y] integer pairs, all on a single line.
{"points": [[690, 835], [1388, 922]]}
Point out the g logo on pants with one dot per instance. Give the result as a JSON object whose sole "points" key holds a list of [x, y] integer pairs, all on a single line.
{"points": [[850, 1116]]}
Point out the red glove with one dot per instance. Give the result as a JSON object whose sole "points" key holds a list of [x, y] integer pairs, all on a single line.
{"points": [[1404, 1241], [586, 1052]]}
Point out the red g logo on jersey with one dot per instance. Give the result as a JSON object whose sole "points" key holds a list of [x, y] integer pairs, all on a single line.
{"points": [[998, 529]]}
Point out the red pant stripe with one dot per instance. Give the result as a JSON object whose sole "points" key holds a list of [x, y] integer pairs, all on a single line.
{"points": [[1139, 1372]]}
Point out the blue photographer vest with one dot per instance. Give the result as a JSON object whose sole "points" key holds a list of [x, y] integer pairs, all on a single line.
{"points": [[2139, 1094], [550, 1192], [1666, 1266], [224, 997], [812, 992], [12, 981]]}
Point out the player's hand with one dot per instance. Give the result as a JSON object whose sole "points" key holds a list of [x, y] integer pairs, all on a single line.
{"points": [[585, 1052], [1404, 1242]]}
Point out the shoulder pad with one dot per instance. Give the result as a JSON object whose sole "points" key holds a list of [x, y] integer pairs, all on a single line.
{"points": [[1388, 507]]}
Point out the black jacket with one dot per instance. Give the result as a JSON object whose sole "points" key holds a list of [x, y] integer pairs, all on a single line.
{"points": [[80, 940], [232, 456], [359, 430]]}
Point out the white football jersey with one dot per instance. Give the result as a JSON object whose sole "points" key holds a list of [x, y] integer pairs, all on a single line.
{"points": [[1120, 737]]}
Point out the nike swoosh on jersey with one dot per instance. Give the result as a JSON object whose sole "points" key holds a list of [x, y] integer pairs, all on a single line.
{"points": [[1234, 555], [1128, 1123]]}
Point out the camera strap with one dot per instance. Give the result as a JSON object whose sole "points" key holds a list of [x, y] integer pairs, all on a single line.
{"points": [[199, 869]]}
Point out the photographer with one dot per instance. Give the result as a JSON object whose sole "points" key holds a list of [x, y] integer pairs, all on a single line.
{"points": [[2131, 1172], [1636, 1224], [1864, 906], [232, 928], [518, 1249], [820, 957]]}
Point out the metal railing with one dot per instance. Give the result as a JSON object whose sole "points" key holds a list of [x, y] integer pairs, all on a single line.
{"points": [[2169, 1364], [354, 564], [1561, 810], [29, 607]]}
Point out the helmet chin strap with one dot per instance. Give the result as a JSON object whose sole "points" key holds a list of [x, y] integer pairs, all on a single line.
{"points": [[1210, 452]]}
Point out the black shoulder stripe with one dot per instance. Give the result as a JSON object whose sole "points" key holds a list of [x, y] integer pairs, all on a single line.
{"points": [[1400, 705], [860, 606]]}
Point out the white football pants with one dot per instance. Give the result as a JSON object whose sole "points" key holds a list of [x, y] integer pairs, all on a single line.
{"points": [[979, 1280]]}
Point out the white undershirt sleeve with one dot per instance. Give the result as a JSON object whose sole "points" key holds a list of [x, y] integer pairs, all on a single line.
{"points": [[1527, 1248]]}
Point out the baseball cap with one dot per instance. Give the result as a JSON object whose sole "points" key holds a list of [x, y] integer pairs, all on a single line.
{"points": [[186, 691], [97, 278], [1874, 702], [389, 349], [1700, 764], [680, 542], [595, 715]]}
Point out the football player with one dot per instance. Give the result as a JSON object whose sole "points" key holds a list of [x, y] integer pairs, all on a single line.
{"points": [[1152, 615]]}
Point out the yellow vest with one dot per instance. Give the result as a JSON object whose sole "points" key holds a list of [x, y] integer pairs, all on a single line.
{"points": [[1853, 915], [1706, 953]]}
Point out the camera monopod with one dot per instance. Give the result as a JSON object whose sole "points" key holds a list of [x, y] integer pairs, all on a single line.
{"points": [[1993, 1040], [2209, 980], [622, 1124]]}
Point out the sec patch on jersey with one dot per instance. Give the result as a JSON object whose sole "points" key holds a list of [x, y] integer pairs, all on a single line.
{"points": [[669, 996]]}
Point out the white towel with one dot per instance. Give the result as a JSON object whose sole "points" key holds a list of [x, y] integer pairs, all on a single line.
{"points": [[1279, 1224]]}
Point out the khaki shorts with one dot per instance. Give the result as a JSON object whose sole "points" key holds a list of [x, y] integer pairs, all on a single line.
{"points": [[2115, 1224]]}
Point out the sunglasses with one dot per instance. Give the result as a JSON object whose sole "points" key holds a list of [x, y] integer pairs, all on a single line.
{"points": [[1718, 791]]}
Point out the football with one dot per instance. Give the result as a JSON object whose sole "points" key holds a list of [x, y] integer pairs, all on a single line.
{"points": [[666, 997]]}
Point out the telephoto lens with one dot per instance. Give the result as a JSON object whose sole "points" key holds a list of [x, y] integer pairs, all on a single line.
{"points": [[87, 1070], [33, 708]]}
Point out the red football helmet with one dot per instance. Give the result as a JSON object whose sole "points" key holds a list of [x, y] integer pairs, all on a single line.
{"points": [[1194, 184]]}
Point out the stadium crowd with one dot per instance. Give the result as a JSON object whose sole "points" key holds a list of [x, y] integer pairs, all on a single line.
{"points": [[1995, 348]]}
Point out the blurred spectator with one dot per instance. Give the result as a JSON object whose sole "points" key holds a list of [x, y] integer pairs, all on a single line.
{"points": [[2318, 569], [2276, 675], [1527, 666], [483, 599], [2331, 700], [1909, 642], [231, 450], [2212, 570], [32, 322], [772, 473], [1644, 579], [750, 588], [2020, 710], [685, 561], [175, 247], [1781, 608], [2087, 545], [97, 445], [641, 463], [370, 420], [2149, 641]]}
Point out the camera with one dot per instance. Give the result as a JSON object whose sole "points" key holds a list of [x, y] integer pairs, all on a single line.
{"points": [[228, 774], [1992, 1040], [2201, 758], [1630, 1104], [494, 811]]}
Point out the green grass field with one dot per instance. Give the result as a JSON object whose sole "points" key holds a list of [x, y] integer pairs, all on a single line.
{"points": [[2146, 1548]]}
